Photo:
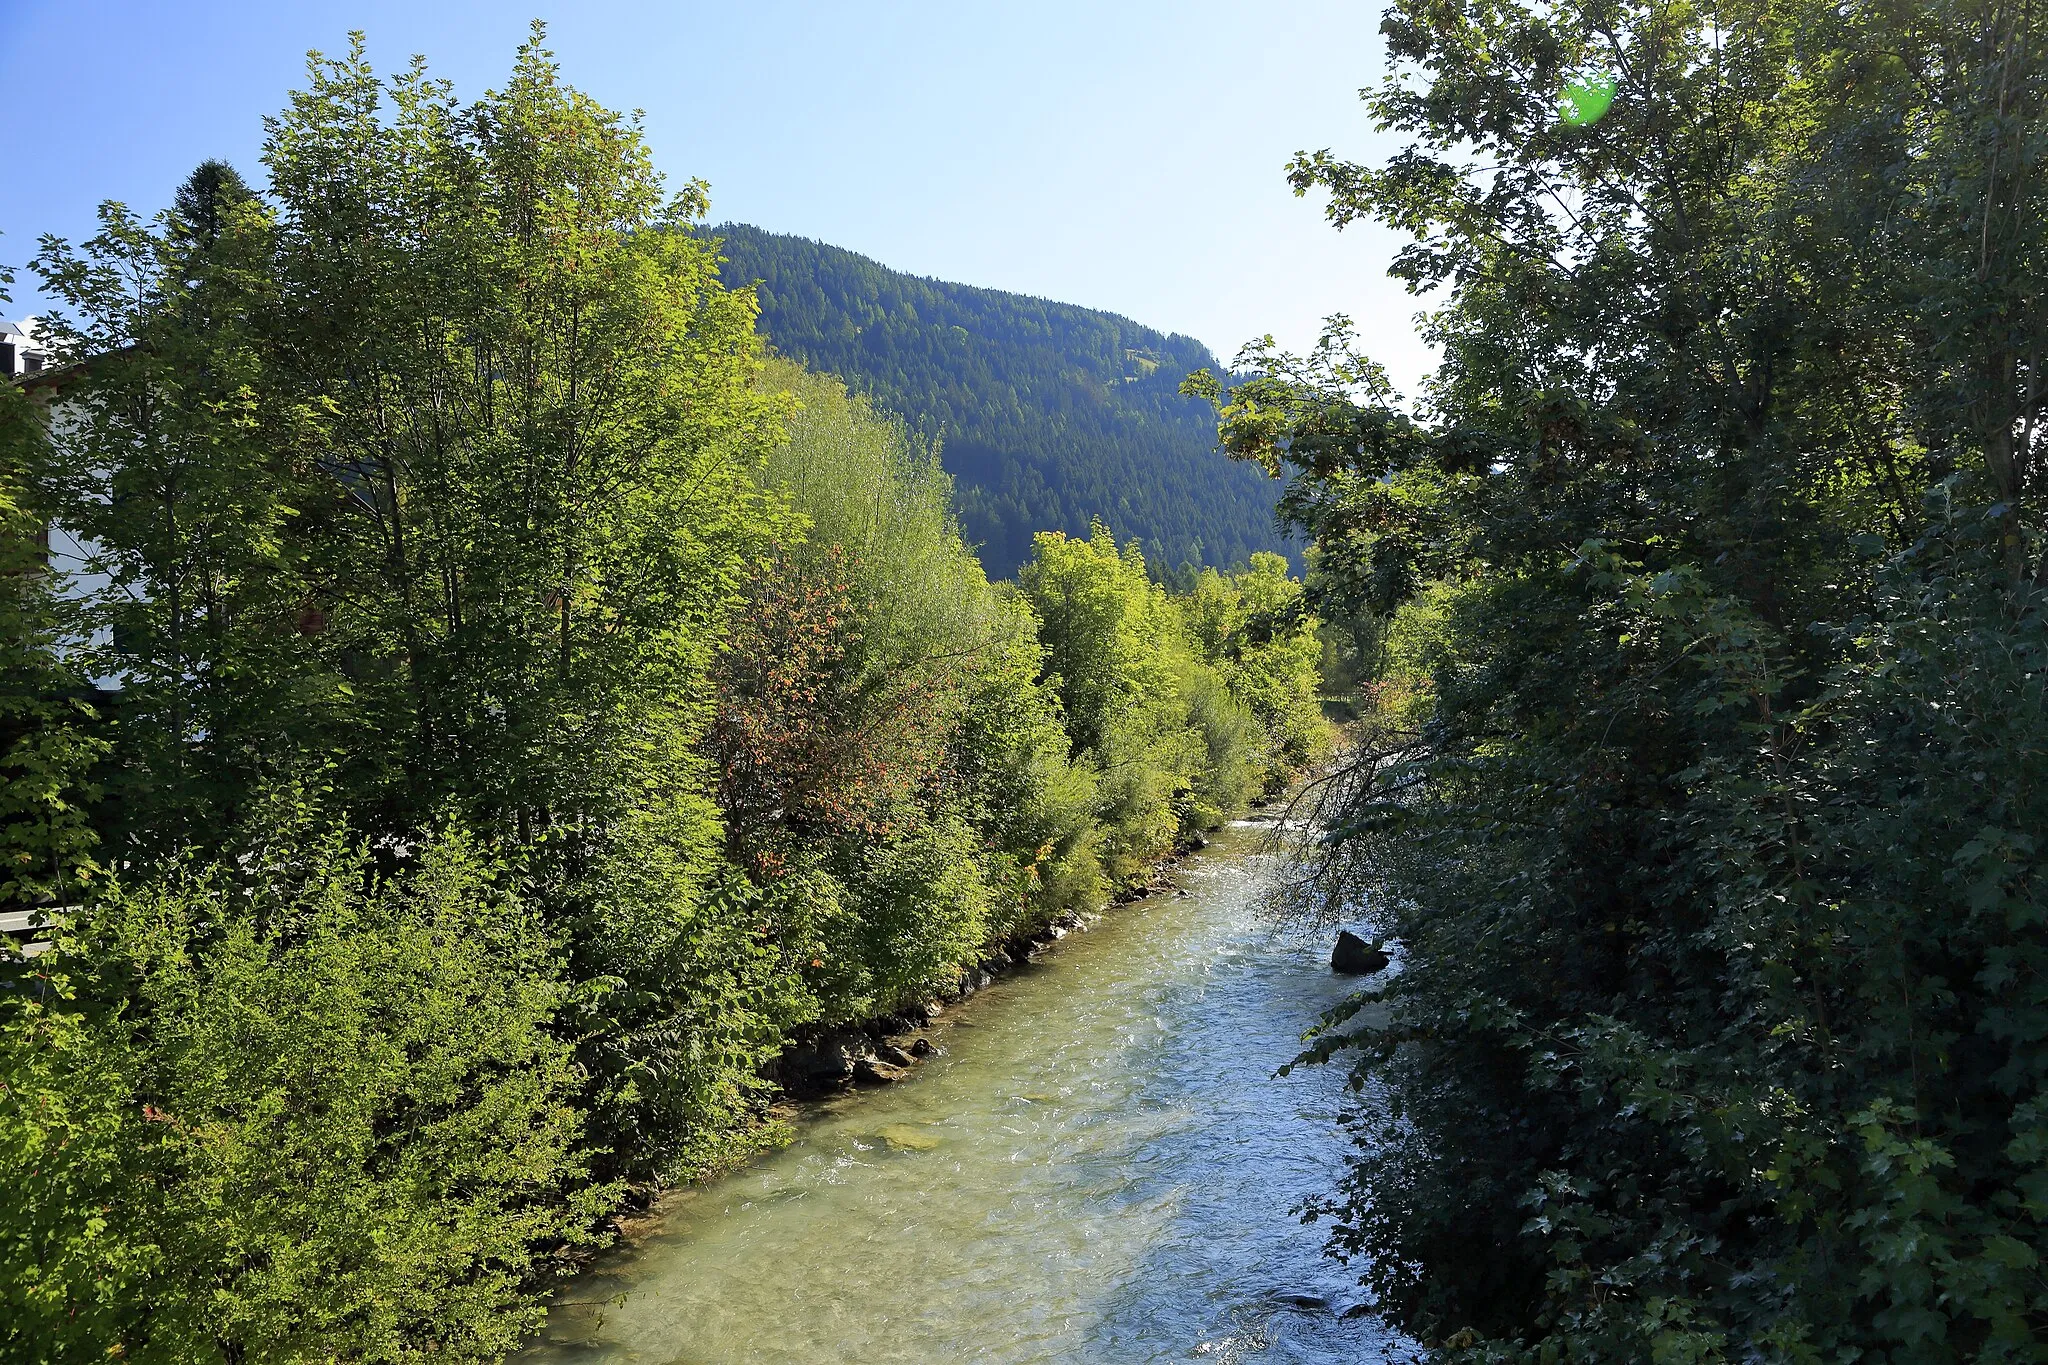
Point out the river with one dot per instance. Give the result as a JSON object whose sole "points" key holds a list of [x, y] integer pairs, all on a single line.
{"points": [[1100, 1167]]}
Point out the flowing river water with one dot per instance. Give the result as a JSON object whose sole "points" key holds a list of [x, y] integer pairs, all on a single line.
{"points": [[1100, 1167]]}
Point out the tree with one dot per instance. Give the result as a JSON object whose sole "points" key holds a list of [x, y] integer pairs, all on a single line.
{"points": [[181, 465], [203, 207], [430, 477], [1255, 627], [1713, 981], [49, 732], [1171, 747], [894, 774]]}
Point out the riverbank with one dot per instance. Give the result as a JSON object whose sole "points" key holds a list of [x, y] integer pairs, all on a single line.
{"points": [[819, 1065], [1095, 1164], [883, 1050]]}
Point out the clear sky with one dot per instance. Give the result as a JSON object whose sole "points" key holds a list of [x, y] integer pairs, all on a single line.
{"points": [[1124, 155]]}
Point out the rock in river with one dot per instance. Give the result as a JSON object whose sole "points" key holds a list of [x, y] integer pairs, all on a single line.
{"points": [[1353, 956], [874, 1071], [904, 1138]]}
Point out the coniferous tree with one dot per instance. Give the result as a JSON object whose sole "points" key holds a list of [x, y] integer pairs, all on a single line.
{"points": [[203, 205], [1049, 416]]}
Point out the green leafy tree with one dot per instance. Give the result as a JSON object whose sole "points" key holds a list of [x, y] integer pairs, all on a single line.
{"points": [[173, 466], [887, 754], [432, 469], [1256, 628], [1034, 803], [1173, 749], [49, 734], [1701, 843]]}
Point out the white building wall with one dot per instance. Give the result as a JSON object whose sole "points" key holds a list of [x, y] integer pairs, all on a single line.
{"points": [[73, 561]]}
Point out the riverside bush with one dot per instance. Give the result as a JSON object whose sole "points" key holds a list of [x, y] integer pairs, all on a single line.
{"points": [[1179, 709], [292, 1111]]}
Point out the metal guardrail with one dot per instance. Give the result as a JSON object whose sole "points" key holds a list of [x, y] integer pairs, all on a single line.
{"points": [[31, 923]]}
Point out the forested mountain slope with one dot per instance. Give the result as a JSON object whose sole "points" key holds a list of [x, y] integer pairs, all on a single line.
{"points": [[1049, 414]]}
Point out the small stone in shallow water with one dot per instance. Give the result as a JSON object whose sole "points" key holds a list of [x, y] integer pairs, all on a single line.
{"points": [[894, 1055], [905, 1138]]}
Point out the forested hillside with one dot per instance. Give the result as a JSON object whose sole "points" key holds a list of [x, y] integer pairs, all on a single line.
{"points": [[1049, 415]]}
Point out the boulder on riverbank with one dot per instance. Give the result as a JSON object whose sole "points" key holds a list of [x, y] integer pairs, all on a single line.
{"points": [[875, 1071], [824, 1059], [1353, 956]]}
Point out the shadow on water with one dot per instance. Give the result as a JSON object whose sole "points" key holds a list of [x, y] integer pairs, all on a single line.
{"points": [[1100, 1168]]}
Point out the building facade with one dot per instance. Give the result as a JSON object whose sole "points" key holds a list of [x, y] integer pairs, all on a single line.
{"points": [[21, 350]]}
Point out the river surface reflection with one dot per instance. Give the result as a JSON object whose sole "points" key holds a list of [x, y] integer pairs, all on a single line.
{"points": [[1100, 1168]]}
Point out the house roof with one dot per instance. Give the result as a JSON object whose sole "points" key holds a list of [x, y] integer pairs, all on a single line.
{"points": [[50, 377]]}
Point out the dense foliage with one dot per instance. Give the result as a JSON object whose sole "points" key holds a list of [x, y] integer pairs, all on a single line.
{"points": [[1178, 728], [326, 1119], [1051, 417], [484, 712], [888, 757], [1700, 607], [48, 743]]}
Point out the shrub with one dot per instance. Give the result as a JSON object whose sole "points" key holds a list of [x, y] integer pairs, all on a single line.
{"points": [[313, 1112]]}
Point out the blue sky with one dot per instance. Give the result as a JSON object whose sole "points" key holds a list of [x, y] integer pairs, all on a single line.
{"points": [[1125, 156]]}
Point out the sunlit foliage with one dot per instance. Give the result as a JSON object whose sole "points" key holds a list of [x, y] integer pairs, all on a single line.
{"points": [[291, 1112]]}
